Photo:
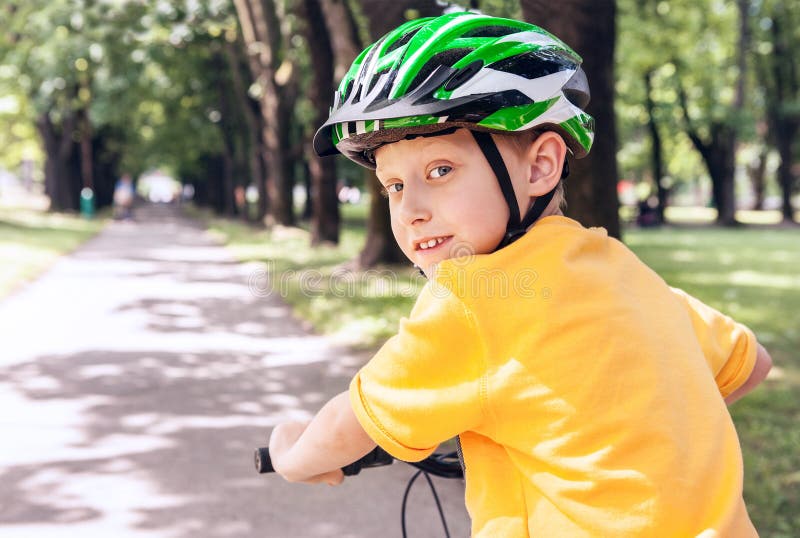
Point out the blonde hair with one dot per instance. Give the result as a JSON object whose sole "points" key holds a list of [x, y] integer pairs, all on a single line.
{"points": [[521, 141]]}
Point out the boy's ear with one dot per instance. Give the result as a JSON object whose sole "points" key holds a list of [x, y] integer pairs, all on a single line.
{"points": [[546, 159]]}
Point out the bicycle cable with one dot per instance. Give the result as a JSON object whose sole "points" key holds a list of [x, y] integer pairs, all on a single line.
{"points": [[435, 498], [439, 465]]}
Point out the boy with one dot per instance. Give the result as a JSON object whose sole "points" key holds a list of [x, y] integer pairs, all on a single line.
{"points": [[585, 392]]}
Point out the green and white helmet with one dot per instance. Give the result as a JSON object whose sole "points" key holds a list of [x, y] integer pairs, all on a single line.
{"points": [[458, 70]]}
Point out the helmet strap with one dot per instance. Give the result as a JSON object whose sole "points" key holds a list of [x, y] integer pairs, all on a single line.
{"points": [[515, 227], [492, 154]]}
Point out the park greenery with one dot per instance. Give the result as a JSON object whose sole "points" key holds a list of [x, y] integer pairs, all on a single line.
{"points": [[224, 95]]}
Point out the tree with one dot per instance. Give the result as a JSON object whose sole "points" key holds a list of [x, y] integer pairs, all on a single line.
{"points": [[51, 45], [267, 38], [118, 86], [699, 89], [589, 28], [713, 68], [644, 103], [325, 204], [779, 76], [251, 122], [656, 146]]}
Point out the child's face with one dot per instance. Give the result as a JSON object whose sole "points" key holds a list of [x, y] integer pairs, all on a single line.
{"points": [[443, 196]]}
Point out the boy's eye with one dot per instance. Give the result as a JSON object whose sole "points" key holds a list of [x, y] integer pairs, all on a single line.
{"points": [[393, 188], [440, 171]]}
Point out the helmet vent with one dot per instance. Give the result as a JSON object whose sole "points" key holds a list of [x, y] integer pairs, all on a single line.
{"points": [[491, 31], [348, 91], [375, 79], [463, 75], [446, 58], [402, 41], [534, 64]]}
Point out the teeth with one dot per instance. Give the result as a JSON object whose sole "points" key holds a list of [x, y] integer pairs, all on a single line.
{"points": [[431, 243]]}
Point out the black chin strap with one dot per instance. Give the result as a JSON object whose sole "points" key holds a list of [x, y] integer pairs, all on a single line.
{"points": [[515, 227]]}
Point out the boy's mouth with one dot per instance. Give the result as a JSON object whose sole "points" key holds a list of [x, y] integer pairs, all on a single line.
{"points": [[431, 243]]}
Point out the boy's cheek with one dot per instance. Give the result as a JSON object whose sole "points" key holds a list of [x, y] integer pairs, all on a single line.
{"points": [[400, 236]]}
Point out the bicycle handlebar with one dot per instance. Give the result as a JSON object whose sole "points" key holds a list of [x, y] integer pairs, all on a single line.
{"points": [[376, 458], [445, 465]]}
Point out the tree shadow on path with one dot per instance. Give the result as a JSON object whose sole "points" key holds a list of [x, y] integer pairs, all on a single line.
{"points": [[147, 426]]}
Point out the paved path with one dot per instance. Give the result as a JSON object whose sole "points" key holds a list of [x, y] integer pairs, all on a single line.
{"points": [[137, 376]]}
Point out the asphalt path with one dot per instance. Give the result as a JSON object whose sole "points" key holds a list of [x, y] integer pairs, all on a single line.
{"points": [[137, 376]]}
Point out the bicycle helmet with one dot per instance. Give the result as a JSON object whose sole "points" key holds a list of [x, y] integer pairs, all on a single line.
{"points": [[487, 74]]}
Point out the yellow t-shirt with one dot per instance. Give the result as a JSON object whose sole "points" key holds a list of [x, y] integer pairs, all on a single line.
{"points": [[586, 392]]}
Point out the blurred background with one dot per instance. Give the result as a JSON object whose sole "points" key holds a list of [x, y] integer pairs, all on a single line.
{"points": [[119, 113]]}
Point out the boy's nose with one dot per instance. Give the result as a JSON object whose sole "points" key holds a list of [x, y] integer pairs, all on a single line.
{"points": [[414, 207]]}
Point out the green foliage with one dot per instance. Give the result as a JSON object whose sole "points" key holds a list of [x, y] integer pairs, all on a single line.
{"points": [[18, 136], [144, 71], [776, 42], [683, 43]]}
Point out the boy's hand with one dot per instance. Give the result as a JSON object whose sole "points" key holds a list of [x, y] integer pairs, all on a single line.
{"points": [[283, 438]]}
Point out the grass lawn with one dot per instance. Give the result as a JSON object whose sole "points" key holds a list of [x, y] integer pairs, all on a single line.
{"points": [[31, 240], [752, 275], [749, 273]]}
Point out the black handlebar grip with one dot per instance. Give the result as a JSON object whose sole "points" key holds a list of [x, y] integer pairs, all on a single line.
{"points": [[263, 461], [375, 458]]}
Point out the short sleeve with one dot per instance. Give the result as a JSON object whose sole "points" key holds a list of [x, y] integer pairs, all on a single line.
{"points": [[729, 347], [426, 384]]}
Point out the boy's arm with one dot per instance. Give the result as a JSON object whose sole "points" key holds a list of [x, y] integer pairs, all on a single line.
{"points": [[760, 371], [316, 451], [730, 348]]}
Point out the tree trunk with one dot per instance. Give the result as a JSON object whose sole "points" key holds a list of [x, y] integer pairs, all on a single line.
{"points": [[107, 142], [785, 176], [248, 111], [657, 160], [324, 202], [308, 210], [260, 159], [756, 171], [344, 40], [60, 186], [51, 165], [722, 167], [719, 151], [589, 28], [718, 154], [85, 135], [228, 125], [266, 43], [782, 85]]}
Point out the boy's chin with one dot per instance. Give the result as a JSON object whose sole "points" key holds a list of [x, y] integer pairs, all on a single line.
{"points": [[427, 270]]}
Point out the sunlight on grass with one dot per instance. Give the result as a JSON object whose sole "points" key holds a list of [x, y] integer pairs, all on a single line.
{"points": [[750, 274], [31, 240], [699, 215]]}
